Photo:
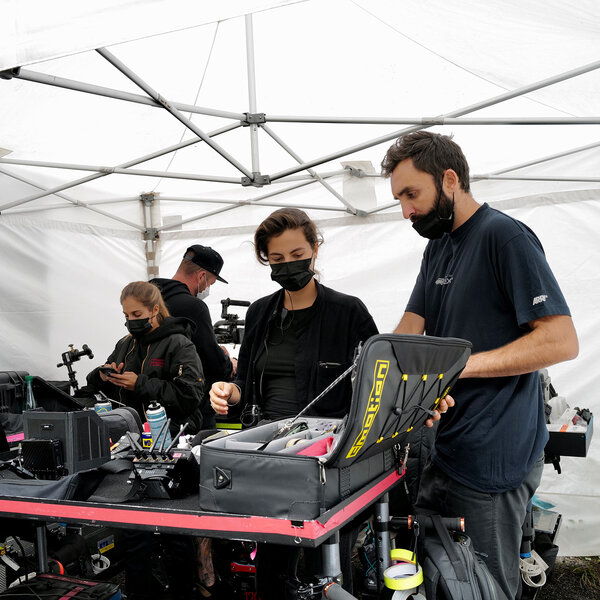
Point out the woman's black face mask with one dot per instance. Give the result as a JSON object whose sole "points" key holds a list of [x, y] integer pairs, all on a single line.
{"points": [[138, 327], [294, 275]]}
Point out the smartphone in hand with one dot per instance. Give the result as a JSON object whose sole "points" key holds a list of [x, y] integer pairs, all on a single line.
{"points": [[109, 370]]}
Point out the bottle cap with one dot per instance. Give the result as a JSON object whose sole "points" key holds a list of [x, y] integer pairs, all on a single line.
{"points": [[146, 427], [28, 377]]}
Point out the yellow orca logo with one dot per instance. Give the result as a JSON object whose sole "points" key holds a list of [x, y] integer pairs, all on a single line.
{"points": [[380, 373]]}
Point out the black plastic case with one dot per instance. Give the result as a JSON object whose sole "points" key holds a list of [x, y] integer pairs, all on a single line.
{"points": [[397, 380]]}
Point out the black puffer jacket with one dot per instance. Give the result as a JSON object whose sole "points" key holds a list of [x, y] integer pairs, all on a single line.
{"points": [[169, 371]]}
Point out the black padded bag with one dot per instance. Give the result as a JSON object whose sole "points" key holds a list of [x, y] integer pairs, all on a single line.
{"points": [[12, 391], [121, 420], [397, 381], [451, 568]]}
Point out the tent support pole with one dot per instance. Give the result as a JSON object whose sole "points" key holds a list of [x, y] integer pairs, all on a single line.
{"points": [[75, 202], [240, 203], [135, 161], [118, 170], [151, 237], [456, 113], [80, 86], [546, 159], [250, 63], [535, 178], [430, 121], [313, 173], [113, 60]]}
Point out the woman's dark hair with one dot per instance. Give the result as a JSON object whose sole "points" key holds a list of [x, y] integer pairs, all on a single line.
{"points": [[432, 153], [279, 221], [148, 294]]}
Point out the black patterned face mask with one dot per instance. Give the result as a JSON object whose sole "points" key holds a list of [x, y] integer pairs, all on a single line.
{"points": [[294, 275], [433, 225]]}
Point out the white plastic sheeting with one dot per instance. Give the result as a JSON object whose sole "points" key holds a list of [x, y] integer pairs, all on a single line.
{"points": [[62, 266]]}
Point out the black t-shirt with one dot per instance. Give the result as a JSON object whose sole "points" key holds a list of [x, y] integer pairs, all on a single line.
{"points": [[484, 282], [276, 367]]}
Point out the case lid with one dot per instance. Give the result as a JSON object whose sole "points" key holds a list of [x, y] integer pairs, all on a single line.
{"points": [[397, 380]]}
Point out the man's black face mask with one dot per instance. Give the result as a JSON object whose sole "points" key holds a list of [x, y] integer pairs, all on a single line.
{"points": [[293, 275], [438, 220]]}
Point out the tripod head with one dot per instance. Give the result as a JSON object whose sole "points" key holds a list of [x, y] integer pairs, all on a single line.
{"points": [[230, 329], [71, 356]]}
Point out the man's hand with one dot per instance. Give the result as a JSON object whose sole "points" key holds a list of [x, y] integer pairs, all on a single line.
{"points": [[234, 367], [445, 404]]}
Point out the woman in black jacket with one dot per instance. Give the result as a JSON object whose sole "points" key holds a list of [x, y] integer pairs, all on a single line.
{"points": [[298, 340], [156, 362]]}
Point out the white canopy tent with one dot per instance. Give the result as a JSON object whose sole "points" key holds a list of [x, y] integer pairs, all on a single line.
{"points": [[115, 160]]}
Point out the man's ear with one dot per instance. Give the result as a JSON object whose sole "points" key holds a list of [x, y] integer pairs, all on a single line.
{"points": [[451, 182]]}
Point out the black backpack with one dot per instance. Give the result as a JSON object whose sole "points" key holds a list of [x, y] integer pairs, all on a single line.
{"points": [[451, 568]]}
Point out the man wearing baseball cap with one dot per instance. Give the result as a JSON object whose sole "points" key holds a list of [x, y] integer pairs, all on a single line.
{"points": [[184, 296]]}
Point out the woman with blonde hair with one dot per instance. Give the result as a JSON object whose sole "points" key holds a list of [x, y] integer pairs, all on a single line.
{"points": [[156, 361]]}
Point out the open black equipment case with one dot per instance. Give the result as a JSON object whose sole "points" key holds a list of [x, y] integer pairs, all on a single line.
{"points": [[397, 381]]}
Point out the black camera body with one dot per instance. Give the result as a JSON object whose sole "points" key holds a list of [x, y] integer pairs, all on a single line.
{"points": [[230, 329]]}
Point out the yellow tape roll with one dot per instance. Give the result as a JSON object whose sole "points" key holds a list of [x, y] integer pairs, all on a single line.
{"points": [[405, 575]]}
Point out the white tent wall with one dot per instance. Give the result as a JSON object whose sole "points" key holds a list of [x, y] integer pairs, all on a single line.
{"points": [[62, 283], [62, 266]]}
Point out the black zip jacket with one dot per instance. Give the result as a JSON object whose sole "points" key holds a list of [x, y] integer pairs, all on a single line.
{"points": [[181, 303], [169, 371], [323, 352]]}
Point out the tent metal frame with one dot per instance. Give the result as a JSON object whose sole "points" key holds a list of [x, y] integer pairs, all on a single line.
{"points": [[256, 121]]}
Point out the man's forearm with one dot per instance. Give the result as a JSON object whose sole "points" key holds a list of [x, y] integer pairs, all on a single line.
{"points": [[411, 323], [551, 340]]}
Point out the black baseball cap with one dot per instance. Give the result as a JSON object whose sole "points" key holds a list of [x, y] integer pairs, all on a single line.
{"points": [[207, 258]]}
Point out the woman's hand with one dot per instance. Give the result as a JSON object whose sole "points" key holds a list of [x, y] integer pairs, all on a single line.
{"points": [[445, 404], [106, 377], [125, 380], [222, 395]]}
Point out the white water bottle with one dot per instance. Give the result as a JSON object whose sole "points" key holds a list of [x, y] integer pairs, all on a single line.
{"points": [[157, 417]]}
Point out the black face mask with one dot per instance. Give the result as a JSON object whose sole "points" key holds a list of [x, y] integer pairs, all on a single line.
{"points": [[292, 276], [138, 327], [433, 225]]}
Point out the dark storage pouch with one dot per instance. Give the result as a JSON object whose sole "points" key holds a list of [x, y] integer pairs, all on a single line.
{"points": [[59, 587], [64, 488]]}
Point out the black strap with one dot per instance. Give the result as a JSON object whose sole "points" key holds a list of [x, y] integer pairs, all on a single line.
{"points": [[118, 465], [450, 548]]}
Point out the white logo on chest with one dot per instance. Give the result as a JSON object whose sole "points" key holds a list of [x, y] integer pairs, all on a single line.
{"points": [[444, 280]]}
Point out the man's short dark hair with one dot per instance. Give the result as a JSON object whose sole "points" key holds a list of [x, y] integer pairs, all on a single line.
{"points": [[430, 152]]}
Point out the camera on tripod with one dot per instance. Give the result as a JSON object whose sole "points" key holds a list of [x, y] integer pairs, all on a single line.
{"points": [[230, 330]]}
